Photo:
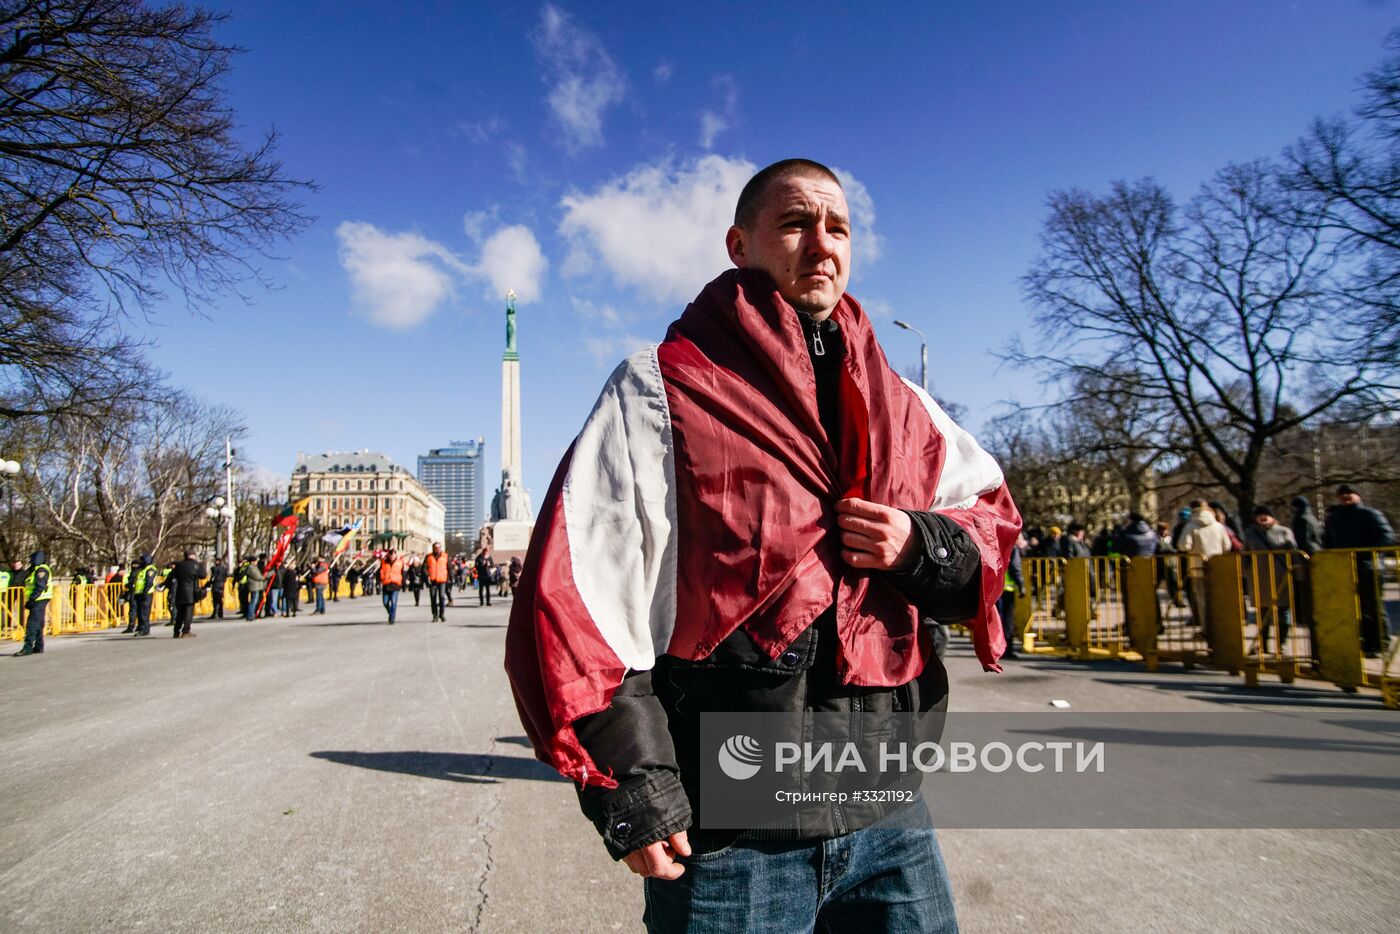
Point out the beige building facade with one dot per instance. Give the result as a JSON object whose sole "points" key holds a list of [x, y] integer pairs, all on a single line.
{"points": [[348, 485]]}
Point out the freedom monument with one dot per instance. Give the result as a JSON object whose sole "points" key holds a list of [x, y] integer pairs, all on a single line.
{"points": [[512, 516]]}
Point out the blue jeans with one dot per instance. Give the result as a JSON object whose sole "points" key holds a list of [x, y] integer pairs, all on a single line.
{"points": [[391, 602], [886, 877], [320, 598], [254, 599]]}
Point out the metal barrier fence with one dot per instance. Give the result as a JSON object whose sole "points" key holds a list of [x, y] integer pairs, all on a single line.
{"points": [[1329, 616]]}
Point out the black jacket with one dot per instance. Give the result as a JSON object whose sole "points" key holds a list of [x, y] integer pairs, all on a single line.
{"points": [[1356, 527], [648, 737], [218, 574], [183, 581]]}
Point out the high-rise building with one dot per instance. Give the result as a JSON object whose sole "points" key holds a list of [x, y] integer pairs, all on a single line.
{"points": [[456, 475]]}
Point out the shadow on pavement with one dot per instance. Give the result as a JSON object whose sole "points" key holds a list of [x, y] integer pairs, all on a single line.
{"points": [[448, 766]]}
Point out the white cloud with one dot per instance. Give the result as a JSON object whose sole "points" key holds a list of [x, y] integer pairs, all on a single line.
{"points": [[865, 242], [713, 122], [511, 259], [659, 228], [582, 78], [399, 279], [663, 72], [481, 131], [607, 315]]}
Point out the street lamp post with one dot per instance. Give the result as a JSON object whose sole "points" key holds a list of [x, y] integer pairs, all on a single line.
{"points": [[923, 352], [218, 513], [8, 469]]}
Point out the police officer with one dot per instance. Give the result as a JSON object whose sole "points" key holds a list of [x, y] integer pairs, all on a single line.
{"points": [[240, 580], [38, 590], [141, 585]]}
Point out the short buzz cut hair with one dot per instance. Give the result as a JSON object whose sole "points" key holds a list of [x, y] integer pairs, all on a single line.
{"points": [[751, 198]]}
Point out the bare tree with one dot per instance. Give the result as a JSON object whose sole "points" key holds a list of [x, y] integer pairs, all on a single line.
{"points": [[1353, 166], [120, 171], [1218, 312], [111, 488]]}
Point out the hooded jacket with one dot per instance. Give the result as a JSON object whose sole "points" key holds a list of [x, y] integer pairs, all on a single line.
{"points": [[1203, 535]]}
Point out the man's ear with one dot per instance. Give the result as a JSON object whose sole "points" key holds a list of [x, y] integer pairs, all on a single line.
{"points": [[734, 242]]}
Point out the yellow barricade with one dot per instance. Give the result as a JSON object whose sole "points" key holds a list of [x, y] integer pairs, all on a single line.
{"points": [[1042, 607]]}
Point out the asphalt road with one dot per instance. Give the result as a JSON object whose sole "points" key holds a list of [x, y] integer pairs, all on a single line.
{"points": [[336, 774]]}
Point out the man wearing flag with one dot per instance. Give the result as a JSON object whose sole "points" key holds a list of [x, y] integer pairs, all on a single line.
{"points": [[754, 518]]}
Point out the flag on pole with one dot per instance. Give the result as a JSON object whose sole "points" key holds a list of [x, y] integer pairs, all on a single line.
{"points": [[288, 515], [347, 536]]}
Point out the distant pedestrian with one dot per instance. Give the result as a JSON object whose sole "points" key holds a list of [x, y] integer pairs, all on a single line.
{"points": [[1355, 526], [1014, 587], [516, 567], [240, 581], [320, 579], [218, 579], [291, 591], [435, 567], [1307, 531], [273, 604], [484, 567], [38, 590], [391, 571], [182, 586], [141, 588], [257, 583], [1270, 576], [333, 576], [352, 577]]}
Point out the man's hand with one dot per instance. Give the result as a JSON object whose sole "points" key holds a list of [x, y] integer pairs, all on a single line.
{"points": [[658, 860], [875, 537]]}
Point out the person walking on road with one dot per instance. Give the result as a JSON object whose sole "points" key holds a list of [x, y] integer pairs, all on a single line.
{"points": [[484, 568], [38, 591], [141, 587], [435, 566], [391, 571], [182, 585]]}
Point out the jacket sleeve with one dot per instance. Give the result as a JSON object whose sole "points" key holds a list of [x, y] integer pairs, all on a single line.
{"points": [[631, 739], [944, 582]]}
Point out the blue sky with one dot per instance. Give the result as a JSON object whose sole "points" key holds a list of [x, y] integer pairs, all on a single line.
{"points": [[588, 157]]}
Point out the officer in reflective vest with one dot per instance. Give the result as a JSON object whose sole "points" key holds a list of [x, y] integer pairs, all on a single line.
{"points": [[436, 566], [142, 586], [38, 591], [391, 581]]}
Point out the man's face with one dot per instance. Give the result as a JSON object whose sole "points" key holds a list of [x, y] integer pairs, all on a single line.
{"points": [[802, 238], [1264, 522], [1348, 499]]}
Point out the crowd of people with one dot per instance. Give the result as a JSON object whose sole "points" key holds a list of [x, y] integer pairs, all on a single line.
{"points": [[1205, 529], [263, 587]]}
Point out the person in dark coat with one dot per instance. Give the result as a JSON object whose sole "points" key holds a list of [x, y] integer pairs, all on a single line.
{"points": [[291, 590], [218, 577], [1353, 525], [183, 584], [333, 575], [1307, 531], [1136, 539], [1230, 522], [484, 567]]}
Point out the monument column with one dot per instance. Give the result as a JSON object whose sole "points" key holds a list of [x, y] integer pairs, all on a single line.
{"points": [[512, 516]]}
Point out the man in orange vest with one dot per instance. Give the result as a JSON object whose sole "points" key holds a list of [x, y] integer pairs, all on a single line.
{"points": [[436, 566], [320, 577], [391, 581]]}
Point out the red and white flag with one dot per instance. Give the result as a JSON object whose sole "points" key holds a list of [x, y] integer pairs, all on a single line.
{"points": [[700, 497]]}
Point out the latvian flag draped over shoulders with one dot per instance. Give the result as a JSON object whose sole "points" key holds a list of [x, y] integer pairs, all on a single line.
{"points": [[700, 497]]}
